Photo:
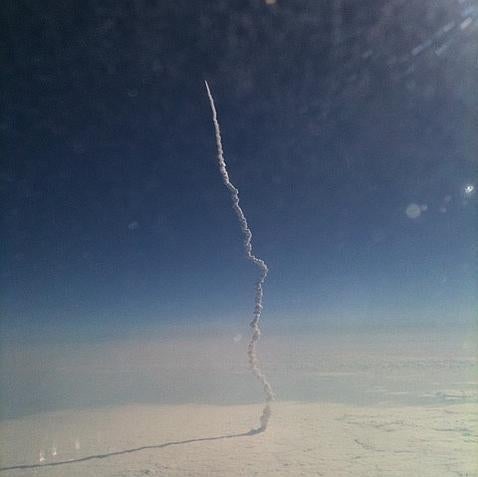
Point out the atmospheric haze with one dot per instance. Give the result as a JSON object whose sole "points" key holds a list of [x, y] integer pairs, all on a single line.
{"points": [[179, 401]]}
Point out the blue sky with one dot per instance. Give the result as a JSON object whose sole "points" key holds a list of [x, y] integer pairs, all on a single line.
{"points": [[115, 214]]}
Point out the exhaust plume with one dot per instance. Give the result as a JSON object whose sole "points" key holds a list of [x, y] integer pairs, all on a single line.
{"points": [[261, 265]]}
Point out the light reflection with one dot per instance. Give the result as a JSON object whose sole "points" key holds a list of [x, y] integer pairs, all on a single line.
{"points": [[469, 190]]}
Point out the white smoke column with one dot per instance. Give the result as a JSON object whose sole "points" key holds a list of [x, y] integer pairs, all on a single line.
{"points": [[247, 235]]}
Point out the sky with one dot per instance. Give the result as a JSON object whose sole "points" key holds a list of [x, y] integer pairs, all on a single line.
{"points": [[350, 130]]}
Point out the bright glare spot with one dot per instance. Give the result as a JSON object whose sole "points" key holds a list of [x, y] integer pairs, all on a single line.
{"points": [[53, 451], [77, 444], [41, 457], [469, 189], [424, 207], [237, 338], [413, 211], [271, 2]]}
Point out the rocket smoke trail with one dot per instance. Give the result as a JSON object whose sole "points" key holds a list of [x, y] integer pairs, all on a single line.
{"points": [[247, 238]]}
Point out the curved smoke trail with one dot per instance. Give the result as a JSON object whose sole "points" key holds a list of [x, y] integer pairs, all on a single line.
{"points": [[247, 234]]}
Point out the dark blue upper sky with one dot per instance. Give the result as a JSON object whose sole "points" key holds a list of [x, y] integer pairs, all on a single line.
{"points": [[336, 118]]}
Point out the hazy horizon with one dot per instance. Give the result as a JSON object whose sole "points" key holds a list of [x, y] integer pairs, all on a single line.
{"points": [[208, 365]]}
